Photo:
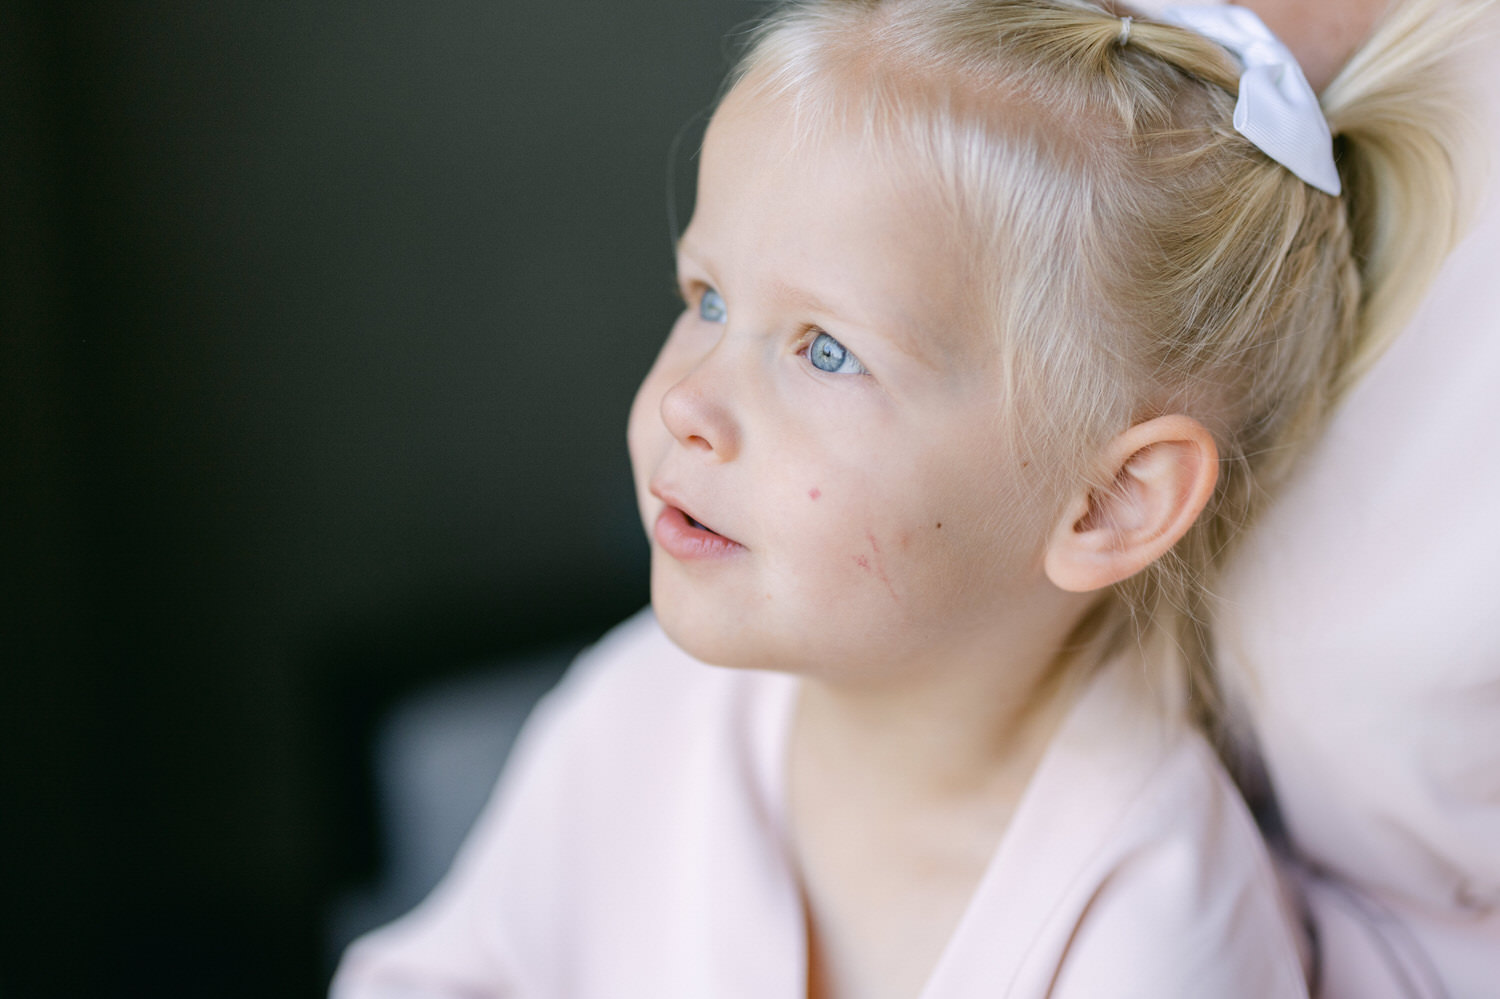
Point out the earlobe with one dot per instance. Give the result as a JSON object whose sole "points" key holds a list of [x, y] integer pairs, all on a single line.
{"points": [[1162, 473]]}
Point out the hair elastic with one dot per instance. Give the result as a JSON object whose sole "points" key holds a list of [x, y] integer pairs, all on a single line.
{"points": [[1277, 109], [1124, 38]]}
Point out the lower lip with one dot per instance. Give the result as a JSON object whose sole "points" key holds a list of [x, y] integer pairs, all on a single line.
{"points": [[681, 540]]}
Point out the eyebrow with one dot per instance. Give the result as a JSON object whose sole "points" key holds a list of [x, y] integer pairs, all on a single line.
{"points": [[802, 298]]}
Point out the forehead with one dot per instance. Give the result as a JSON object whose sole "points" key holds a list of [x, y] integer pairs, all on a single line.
{"points": [[831, 213], [798, 139]]}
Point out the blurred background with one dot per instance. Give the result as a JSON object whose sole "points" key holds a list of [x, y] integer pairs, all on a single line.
{"points": [[319, 322]]}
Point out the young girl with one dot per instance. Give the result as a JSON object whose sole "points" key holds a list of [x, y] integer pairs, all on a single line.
{"points": [[997, 329]]}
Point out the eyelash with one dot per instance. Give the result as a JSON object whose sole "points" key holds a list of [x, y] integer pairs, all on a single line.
{"points": [[814, 335], [697, 298], [689, 294], [717, 305]]}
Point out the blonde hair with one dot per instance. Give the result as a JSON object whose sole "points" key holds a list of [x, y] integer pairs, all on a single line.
{"points": [[1146, 258]]}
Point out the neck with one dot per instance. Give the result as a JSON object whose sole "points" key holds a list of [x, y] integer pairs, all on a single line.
{"points": [[969, 727], [900, 787]]}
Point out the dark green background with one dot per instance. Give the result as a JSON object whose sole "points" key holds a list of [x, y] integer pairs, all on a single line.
{"points": [[318, 326]]}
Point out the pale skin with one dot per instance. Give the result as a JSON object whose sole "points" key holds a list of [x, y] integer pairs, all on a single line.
{"points": [[826, 405], [927, 652], [1321, 35]]}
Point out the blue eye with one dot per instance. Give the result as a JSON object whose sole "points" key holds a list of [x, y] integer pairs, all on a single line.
{"points": [[827, 354], [711, 308]]}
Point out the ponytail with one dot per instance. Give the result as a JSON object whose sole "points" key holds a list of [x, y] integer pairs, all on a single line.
{"points": [[1403, 144], [1142, 256]]}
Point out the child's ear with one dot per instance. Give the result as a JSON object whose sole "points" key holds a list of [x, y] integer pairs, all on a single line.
{"points": [[1163, 472]]}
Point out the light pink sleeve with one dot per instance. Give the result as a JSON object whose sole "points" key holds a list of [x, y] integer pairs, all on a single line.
{"points": [[458, 943], [449, 946]]}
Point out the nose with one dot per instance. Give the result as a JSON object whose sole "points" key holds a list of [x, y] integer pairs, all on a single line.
{"points": [[697, 411]]}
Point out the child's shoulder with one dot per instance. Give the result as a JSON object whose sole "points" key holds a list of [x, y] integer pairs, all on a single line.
{"points": [[1177, 888]]}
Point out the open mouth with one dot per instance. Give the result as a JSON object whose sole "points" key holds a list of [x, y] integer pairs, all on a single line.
{"points": [[688, 538], [701, 527], [685, 537]]}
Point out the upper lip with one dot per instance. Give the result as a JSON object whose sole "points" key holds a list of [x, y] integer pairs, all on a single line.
{"points": [[670, 497]]}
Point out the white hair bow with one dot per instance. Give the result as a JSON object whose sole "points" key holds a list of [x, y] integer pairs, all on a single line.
{"points": [[1277, 109]]}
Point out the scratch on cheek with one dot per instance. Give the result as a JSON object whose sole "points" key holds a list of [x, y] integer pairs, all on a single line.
{"points": [[879, 565]]}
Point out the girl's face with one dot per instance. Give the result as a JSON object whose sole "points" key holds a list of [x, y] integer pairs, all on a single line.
{"points": [[817, 451]]}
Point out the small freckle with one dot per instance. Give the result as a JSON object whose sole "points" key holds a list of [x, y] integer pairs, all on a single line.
{"points": [[940, 525], [814, 493], [1025, 464]]}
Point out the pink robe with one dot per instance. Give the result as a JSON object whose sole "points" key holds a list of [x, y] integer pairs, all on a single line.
{"points": [[637, 849]]}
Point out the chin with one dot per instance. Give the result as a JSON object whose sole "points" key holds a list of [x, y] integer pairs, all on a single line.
{"points": [[729, 627], [719, 636], [700, 635], [737, 640]]}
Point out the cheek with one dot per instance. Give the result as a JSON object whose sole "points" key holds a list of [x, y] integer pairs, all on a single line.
{"points": [[968, 539], [854, 538], [645, 433], [643, 410]]}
